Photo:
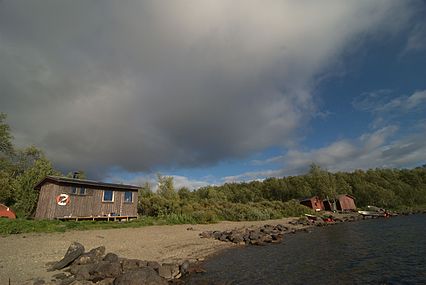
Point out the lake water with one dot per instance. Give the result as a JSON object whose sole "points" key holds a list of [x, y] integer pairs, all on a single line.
{"points": [[379, 251]]}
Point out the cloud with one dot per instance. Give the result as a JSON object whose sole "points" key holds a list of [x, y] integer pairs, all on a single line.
{"points": [[416, 40], [387, 107], [370, 150], [145, 85], [179, 181]]}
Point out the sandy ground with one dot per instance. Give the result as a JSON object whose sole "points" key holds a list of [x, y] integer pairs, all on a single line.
{"points": [[24, 256]]}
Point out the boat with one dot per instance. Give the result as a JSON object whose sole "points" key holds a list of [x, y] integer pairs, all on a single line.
{"points": [[371, 213]]}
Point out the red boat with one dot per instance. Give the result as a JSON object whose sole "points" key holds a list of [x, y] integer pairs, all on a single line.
{"points": [[6, 212]]}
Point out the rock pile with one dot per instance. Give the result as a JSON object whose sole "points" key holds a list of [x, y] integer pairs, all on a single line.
{"points": [[250, 236], [96, 267]]}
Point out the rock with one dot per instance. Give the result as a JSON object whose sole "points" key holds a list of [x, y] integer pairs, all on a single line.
{"points": [[169, 270], [105, 269], [60, 276], [141, 276], [93, 255], [81, 282], [130, 264], [154, 265], [223, 237], [254, 235], [206, 234], [267, 239], [67, 281], [106, 281], [74, 251], [76, 268], [184, 267], [216, 234], [111, 257], [236, 237], [35, 281]]}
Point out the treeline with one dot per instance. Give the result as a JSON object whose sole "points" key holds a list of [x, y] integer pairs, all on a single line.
{"points": [[21, 169], [278, 197]]}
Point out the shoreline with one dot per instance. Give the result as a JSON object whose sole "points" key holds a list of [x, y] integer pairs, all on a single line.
{"points": [[26, 256]]}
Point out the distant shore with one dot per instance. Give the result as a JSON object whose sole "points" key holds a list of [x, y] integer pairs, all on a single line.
{"points": [[24, 256]]}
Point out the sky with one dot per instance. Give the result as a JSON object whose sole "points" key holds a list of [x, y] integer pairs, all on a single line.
{"points": [[215, 91]]}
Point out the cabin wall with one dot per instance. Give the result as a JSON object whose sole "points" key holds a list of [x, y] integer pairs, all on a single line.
{"points": [[313, 203], [347, 203], [87, 205], [46, 204]]}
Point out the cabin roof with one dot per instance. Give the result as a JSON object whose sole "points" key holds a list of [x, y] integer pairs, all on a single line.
{"points": [[84, 182], [342, 195]]}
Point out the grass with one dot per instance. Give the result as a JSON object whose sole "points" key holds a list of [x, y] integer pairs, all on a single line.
{"points": [[21, 226]]}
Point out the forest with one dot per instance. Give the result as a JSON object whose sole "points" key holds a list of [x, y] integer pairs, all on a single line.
{"points": [[22, 168]]}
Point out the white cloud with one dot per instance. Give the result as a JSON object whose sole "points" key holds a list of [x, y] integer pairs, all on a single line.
{"points": [[417, 39], [370, 150]]}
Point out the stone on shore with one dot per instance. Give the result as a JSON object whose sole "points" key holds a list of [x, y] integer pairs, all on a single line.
{"points": [[94, 268], [74, 251]]}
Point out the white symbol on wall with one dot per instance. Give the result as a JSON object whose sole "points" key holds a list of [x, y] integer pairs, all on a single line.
{"points": [[62, 199]]}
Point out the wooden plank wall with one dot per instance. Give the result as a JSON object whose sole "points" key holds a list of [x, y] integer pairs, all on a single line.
{"points": [[46, 204], [82, 205]]}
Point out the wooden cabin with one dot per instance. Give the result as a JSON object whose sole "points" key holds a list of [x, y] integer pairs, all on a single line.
{"points": [[343, 202], [314, 203], [77, 199], [6, 212]]}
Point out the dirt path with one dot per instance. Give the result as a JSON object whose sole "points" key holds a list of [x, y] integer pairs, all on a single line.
{"points": [[24, 256]]}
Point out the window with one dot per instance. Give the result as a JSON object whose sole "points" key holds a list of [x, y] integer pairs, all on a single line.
{"points": [[78, 191], [82, 191], [128, 197], [108, 196]]}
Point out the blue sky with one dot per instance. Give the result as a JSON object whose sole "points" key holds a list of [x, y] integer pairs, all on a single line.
{"points": [[216, 91]]}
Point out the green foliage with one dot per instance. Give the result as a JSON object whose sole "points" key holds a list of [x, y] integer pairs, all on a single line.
{"points": [[26, 196], [6, 147]]}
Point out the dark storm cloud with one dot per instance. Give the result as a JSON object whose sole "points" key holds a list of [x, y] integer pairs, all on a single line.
{"points": [[140, 85]]}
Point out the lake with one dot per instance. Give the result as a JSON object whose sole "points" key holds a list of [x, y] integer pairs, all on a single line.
{"points": [[378, 251]]}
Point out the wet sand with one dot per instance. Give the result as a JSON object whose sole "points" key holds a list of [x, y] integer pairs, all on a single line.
{"points": [[24, 256]]}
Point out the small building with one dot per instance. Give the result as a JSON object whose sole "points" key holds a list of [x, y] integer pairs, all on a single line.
{"points": [[343, 202], [70, 198], [314, 203], [6, 212]]}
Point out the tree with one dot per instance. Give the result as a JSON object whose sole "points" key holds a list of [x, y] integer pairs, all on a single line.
{"points": [[323, 182], [6, 146], [166, 187], [25, 195]]}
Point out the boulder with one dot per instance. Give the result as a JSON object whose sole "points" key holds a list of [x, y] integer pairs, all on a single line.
{"points": [[206, 234], [74, 251], [130, 264], [105, 269], [111, 257], [93, 255], [169, 270], [184, 267], [77, 269], [154, 265], [141, 276]]}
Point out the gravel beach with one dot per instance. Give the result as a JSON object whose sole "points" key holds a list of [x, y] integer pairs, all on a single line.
{"points": [[25, 256]]}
